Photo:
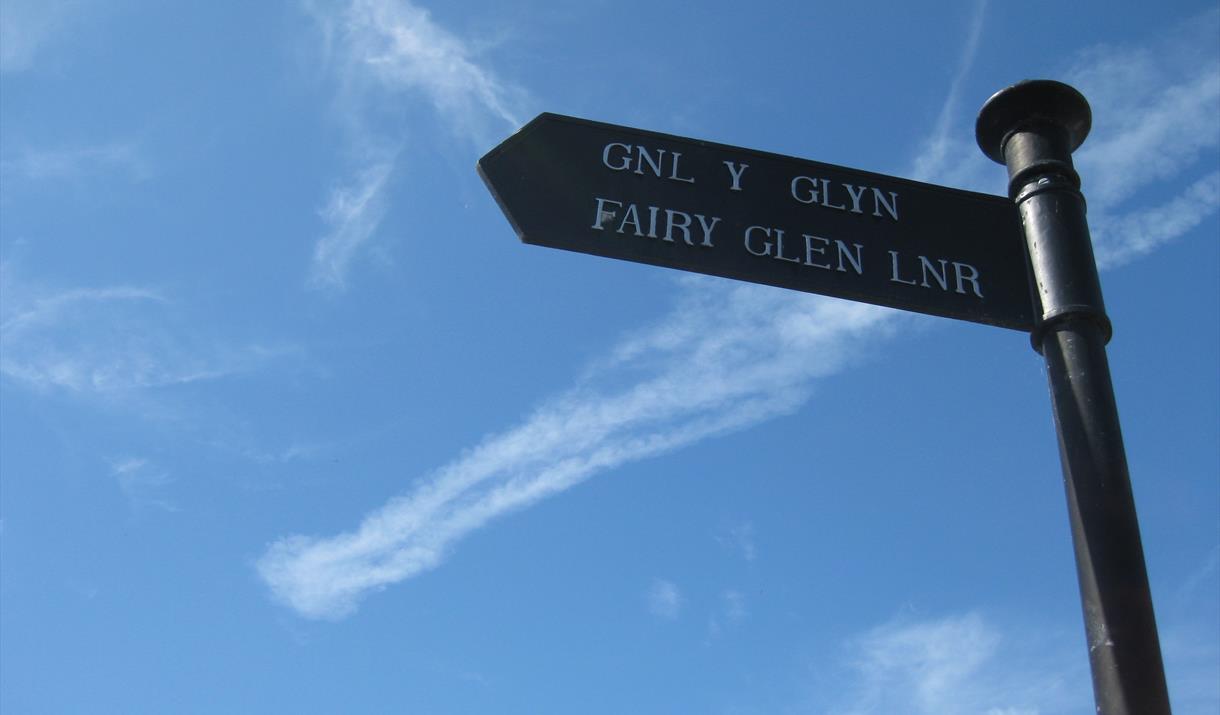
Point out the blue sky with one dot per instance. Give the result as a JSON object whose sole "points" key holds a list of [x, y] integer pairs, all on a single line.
{"points": [[292, 422]]}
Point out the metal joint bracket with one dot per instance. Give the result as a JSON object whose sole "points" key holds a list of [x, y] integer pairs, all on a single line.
{"points": [[1065, 315]]}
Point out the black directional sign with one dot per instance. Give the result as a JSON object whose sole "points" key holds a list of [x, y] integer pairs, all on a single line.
{"points": [[709, 208]]}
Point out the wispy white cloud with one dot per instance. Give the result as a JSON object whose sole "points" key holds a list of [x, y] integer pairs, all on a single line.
{"points": [[387, 52], [957, 665], [970, 664], [739, 539], [730, 612], [949, 155], [728, 356], [292, 453], [1189, 621], [664, 599], [353, 213], [27, 26], [107, 340], [1155, 109], [734, 606], [1199, 579], [1156, 113], [73, 162], [1124, 237], [143, 484], [405, 49], [662, 389], [1192, 660]]}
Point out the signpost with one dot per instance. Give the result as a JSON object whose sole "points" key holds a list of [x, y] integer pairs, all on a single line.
{"points": [[1033, 128], [703, 207], [1025, 264]]}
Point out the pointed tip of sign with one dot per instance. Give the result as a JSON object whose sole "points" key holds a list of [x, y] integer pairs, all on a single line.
{"points": [[526, 128]]}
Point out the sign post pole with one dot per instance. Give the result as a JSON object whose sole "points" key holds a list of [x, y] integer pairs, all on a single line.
{"points": [[692, 205], [1033, 127]]}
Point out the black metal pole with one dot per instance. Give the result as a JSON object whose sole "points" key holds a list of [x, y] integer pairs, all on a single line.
{"points": [[1033, 127]]}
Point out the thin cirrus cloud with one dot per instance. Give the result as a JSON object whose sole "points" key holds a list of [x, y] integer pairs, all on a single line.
{"points": [[731, 613], [744, 353], [1156, 114], [353, 213], [27, 27], [939, 158], [739, 540], [683, 383], [1156, 120], [961, 664], [973, 664], [143, 484], [664, 599], [379, 48], [1126, 237], [108, 341], [404, 49], [112, 158]]}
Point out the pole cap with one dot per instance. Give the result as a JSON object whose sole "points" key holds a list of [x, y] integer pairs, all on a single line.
{"points": [[1033, 101]]}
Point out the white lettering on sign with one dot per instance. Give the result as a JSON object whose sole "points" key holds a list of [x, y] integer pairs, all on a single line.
{"points": [[625, 219], [758, 242], [623, 160], [939, 271], [817, 244], [641, 160], [807, 250], [822, 192], [735, 172]]}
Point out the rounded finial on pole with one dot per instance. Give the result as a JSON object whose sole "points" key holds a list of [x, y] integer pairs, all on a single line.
{"points": [[1032, 102]]}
